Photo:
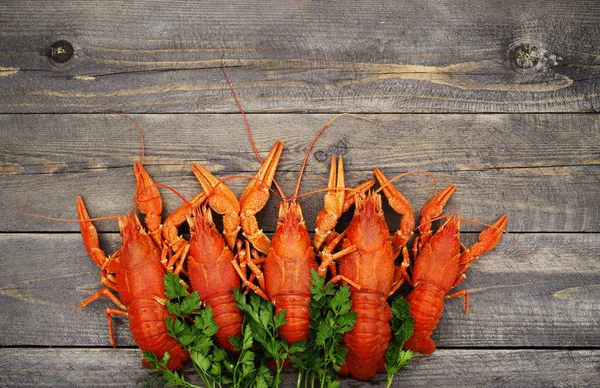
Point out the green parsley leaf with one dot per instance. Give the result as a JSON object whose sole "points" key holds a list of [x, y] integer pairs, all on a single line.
{"points": [[206, 323], [331, 317], [262, 323], [194, 328], [402, 329], [298, 346], [169, 378], [340, 303], [190, 303], [173, 287], [279, 319]]}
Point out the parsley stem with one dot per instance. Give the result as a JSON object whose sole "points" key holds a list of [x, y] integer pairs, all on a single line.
{"points": [[390, 377], [202, 376]]}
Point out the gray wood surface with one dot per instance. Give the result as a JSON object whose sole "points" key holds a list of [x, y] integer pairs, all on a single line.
{"points": [[500, 98], [361, 56], [540, 170], [546, 296], [471, 368]]}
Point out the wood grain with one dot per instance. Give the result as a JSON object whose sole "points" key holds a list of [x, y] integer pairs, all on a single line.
{"points": [[516, 77], [546, 296], [540, 170], [477, 368], [360, 56]]}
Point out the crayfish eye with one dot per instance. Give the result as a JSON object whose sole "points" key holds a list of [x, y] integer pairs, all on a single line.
{"points": [[210, 224], [121, 233], [377, 209], [298, 219], [193, 228], [137, 227], [282, 219]]}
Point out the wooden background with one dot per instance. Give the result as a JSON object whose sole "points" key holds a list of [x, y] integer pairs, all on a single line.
{"points": [[500, 98]]}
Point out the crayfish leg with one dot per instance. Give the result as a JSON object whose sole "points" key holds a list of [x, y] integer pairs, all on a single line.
{"points": [[171, 236], [328, 217], [401, 275], [244, 256], [488, 239], [464, 293], [89, 235], [342, 278], [109, 313], [328, 259], [336, 202], [103, 292], [222, 200], [432, 209], [148, 201]]}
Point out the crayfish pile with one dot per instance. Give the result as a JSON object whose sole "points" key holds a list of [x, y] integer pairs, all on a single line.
{"points": [[318, 303]]}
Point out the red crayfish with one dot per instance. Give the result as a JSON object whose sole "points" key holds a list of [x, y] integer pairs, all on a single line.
{"points": [[136, 270], [210, 259], [136, 273], [367, 258], [439, 266]]}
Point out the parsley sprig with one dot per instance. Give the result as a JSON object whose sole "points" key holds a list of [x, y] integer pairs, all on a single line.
{"points": [[402, 329], [330, 318], [261, 325], [250, 369], [169, 378], [213, 365], [317, 360]]}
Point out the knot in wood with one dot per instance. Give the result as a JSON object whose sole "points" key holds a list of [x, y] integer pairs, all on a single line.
{"points": [[526, 56], [60, 51], [531, 57]]}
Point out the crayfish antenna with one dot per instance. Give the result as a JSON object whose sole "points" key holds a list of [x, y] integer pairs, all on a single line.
{"points": [[246, 123], [312, 143]]}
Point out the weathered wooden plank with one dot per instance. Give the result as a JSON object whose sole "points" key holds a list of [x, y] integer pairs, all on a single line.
{"points": [[545, 296], [361, 56], [536, 200], [34, 144], [490, 368], [540, 170]]}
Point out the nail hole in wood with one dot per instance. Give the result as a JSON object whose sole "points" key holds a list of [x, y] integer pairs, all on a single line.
{"points": [[321, 156], [338, 148]]}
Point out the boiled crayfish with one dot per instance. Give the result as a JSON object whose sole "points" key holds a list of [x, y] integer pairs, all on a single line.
{"points": [[366, 259], [136, 273], [439, 266]]}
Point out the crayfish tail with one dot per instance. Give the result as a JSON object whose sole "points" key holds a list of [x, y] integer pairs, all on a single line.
{"points": [[420, 344], [229, 318], [297, 317], [367, 342], [426, 307]]}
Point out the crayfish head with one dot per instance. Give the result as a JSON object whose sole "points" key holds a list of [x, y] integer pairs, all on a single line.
{"points": [[291, 229], [368, 224], [437, 262], [136, 245], [445, 242], [206, 241], [129, 227], [290, 216]]}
